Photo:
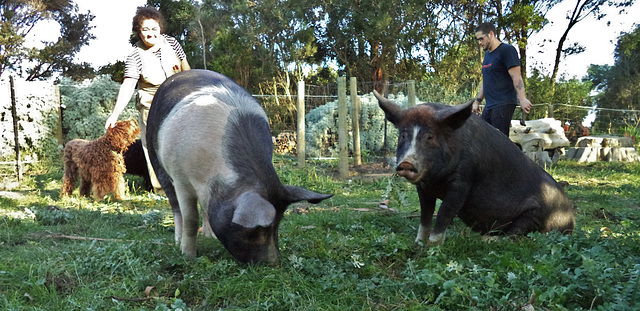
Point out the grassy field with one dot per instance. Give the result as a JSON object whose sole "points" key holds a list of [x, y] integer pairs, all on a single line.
{"points": [[343, 254]]}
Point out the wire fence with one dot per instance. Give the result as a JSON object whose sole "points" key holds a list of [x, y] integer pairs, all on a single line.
{"points": [[597, 121], [282, 111]]}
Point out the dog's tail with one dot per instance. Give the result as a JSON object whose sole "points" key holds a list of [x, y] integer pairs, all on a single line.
{"points": [[70, 171]]}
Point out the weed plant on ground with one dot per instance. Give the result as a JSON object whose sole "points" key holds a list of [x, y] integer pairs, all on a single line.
{"points": [[346, 253]]}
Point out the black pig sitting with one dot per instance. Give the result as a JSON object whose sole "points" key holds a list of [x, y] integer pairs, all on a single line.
{"points": [[477, 172]]}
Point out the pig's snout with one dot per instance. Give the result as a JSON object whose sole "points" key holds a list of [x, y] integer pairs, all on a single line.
{"points": [[407, 170]]}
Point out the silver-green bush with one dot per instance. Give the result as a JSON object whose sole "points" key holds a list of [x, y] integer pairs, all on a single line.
{"points": [[322, 127]]}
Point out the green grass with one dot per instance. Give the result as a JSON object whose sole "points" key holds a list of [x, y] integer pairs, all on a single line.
{"points": [[342, 254]]}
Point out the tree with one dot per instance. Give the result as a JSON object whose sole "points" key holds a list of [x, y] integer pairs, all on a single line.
{"points": [[115, 70], [79, 72], [523, 18], [201, 25], [582, 10], [375, 41], [18, 20], [620, 83], [567, 93], [177, 16], [598, 75], [620, 86]]}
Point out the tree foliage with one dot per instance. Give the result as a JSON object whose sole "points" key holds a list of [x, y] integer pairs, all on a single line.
{"points": [[523, 18], [582, 10], [87, 106], [266, 45], [572, 92], [620, 83], [18, 20]]}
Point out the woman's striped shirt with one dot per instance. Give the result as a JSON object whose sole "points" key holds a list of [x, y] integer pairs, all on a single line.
{"points": [[133, 64]]}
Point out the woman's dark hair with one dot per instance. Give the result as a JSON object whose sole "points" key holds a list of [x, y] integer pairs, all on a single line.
{"points": [[144, 13]]}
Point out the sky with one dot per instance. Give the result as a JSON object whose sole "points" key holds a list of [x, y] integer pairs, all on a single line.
{"points": [[112, 30], [113, 27], [598, 37]]}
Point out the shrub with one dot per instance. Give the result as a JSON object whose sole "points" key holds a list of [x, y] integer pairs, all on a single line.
{"points": [[322, 127], [86, 107]]}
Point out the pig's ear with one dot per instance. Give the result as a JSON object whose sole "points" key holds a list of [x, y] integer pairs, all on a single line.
{"points": [[252, 210], [454, 116], [296, 194], [391, 110]]}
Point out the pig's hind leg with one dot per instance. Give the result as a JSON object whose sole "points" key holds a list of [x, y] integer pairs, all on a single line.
{"points": [[527, 221], [170, 192], [206, 225]]}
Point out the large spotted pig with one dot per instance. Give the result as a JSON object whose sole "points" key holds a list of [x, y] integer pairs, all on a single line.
{"points": [[209, 143], [478, 173]]}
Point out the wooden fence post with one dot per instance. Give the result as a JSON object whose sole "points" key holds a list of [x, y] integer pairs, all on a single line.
{"points": [[56, 97], [301, 125], [343, 138], [385, 146], [411, 92], [355, 118], [16, 132]]}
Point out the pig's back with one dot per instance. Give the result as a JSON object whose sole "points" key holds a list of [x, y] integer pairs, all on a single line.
{"points": [[184, 86], [203, 125]]}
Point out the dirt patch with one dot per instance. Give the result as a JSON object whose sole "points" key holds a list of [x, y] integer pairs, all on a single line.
{"points": [[374, 169], [63, 283]]}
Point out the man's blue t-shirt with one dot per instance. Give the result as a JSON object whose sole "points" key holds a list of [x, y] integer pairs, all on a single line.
{"points": [[497, 84]]}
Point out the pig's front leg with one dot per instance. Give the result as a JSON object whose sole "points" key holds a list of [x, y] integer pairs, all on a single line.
{"points": [[177, 221], [203, 198], [451, 204], [190, 222], [427, 207]]}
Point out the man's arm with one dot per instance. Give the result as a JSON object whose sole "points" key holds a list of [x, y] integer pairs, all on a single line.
{"points": [[475, 108], [518, 84]]}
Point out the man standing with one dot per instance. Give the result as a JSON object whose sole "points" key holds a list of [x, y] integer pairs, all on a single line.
{"points": [[502, 83]]}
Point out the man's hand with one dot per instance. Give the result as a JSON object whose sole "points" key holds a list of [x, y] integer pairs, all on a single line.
{"points": [[526, 105], [475, 108]]}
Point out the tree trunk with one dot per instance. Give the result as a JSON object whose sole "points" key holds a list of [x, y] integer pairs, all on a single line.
{"points": [[573, 20], [522, 46], [204, 48]]}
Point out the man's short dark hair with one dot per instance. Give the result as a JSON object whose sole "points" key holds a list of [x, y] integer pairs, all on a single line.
{"points": [[486, 28]]}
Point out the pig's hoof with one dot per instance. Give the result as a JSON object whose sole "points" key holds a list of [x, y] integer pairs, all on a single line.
{"points": [[189, 252], [436, 239], [490, 238], [207, 232]]}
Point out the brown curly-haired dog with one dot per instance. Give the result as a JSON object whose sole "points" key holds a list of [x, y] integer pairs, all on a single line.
{"points": [[99, 162]]}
